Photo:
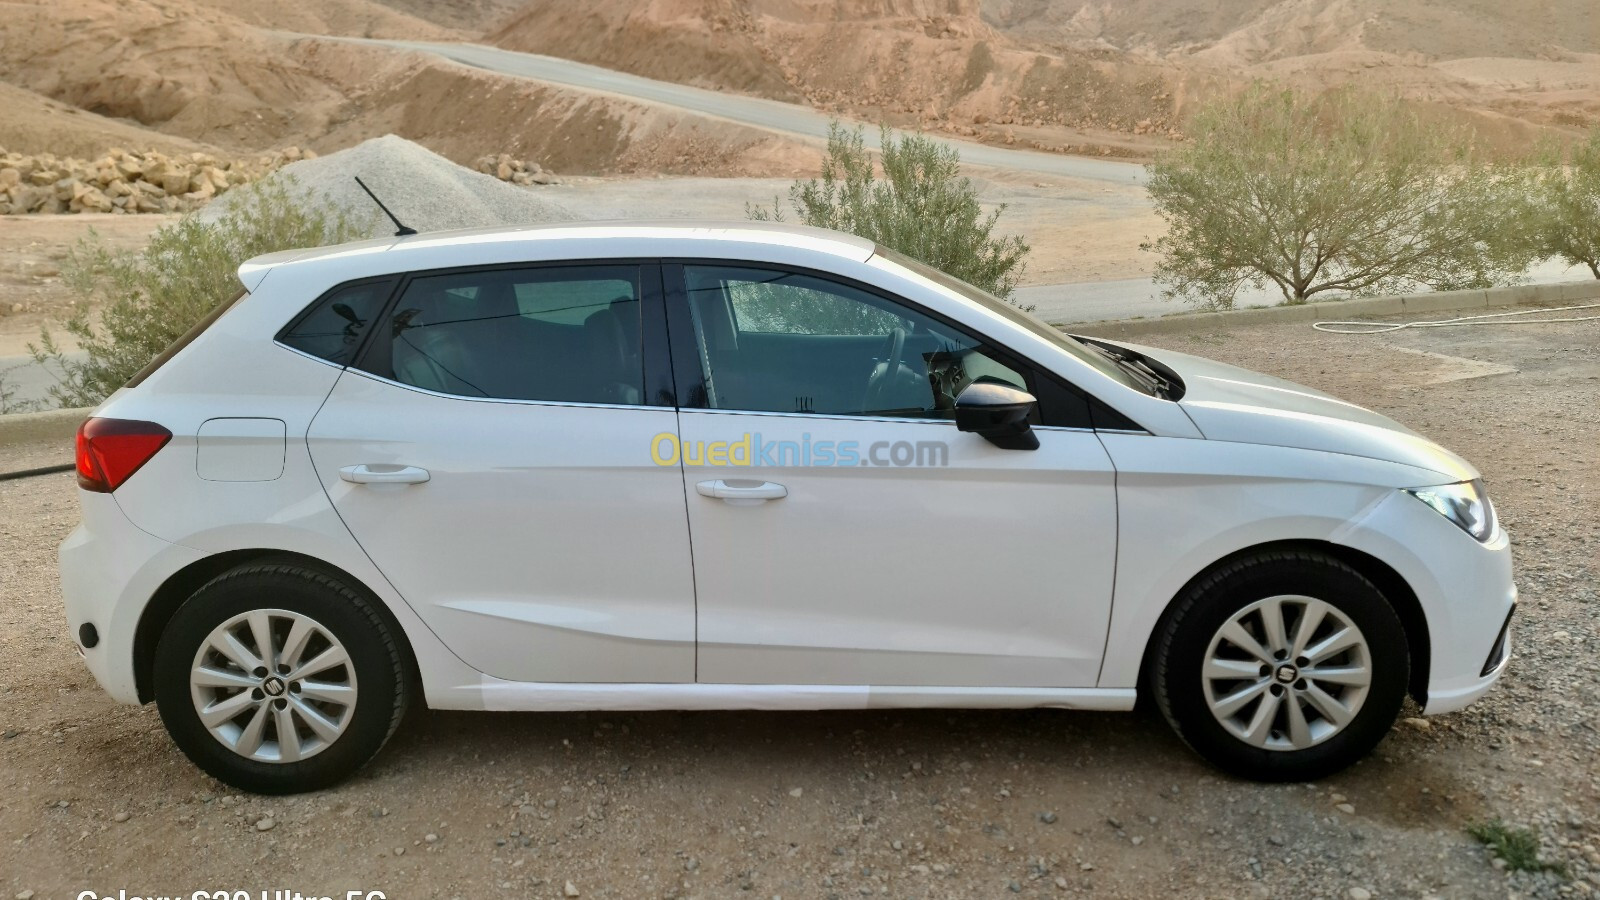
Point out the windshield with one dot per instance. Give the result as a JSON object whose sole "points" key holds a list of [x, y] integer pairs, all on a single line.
{"points": [[1035, 325]]}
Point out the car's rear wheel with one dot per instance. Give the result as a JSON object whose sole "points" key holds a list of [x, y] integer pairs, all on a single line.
{"points": [[276, 679], [1283, 666]]}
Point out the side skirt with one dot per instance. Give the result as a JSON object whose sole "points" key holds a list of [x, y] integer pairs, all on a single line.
{"points": [[511, 696]]}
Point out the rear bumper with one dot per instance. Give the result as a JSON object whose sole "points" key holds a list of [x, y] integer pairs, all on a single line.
{"points": [[109, 571]]}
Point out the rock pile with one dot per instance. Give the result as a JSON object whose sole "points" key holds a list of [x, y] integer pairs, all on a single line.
{"points": [[124, 182], [516, 171]]}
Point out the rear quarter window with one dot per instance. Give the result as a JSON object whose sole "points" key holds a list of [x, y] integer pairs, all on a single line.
{"points": [[334, 327]]}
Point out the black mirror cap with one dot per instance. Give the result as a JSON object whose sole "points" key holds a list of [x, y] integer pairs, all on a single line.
{"points": [[998, 412]]}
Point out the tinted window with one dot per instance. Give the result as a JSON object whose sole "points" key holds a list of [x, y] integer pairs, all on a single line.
{"points": [[1016, 316], [776, 341], [334, 326], [568, 333]]}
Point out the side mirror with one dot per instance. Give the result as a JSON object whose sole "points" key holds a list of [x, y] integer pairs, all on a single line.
{"points": [[999, 412]]}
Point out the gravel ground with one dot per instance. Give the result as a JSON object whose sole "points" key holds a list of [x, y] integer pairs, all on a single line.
{"points": [[94, 796]]}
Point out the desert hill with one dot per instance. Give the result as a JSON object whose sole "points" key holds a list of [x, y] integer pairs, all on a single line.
{"points": [[1083, 76], [468, 16], [1106, 72], [37, 124], [1251, 31], [921, 63], [183, 68]]}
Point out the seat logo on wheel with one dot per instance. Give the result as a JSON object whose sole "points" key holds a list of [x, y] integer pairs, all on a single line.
{"points": [[1286, 674], [273, 686]]}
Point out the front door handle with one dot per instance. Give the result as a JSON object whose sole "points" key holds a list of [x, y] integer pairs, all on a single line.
{"points": [[383, 474], [741, 490]]}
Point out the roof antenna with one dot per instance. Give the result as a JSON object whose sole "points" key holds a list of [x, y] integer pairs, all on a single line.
{"points": [[402, 230]]}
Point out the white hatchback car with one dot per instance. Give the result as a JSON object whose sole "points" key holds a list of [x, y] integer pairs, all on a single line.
{"points": [[640, 466]]}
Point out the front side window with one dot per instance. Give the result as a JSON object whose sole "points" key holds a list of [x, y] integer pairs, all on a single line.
{"points": [[557, 333], [777, 341], [1025, 320]]}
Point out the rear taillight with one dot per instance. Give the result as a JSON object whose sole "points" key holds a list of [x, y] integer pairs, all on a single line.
{"points": [[111, 450]]}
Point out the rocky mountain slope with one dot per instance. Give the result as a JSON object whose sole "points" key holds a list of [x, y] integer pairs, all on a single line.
{"points": [[1107, 73], [1083, 76]]}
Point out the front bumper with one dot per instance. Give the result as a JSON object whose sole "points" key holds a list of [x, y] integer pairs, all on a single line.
{"points": [[109, 571], [1464, 587], [1462, 695]]}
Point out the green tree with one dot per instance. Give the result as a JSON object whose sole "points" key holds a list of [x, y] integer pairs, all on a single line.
{"points": [[150, 298], [1564, 201], [1345, 193], [922, 207]]}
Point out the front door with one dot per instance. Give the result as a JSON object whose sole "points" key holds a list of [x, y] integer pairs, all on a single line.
{"points": [[491, 459], [844, 531]]}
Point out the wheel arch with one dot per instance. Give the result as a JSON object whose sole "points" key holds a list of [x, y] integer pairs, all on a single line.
{"points": [[1388, 581], [182, 584]]}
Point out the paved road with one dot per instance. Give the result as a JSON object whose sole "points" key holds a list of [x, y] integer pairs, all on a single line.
{"points": [[769, 115], [1093, 301], [28, 381]]}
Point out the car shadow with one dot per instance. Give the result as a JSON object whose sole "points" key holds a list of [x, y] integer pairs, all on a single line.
{"points": [[791, 740]]}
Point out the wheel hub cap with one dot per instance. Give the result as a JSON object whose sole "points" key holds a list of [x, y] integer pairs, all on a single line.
{"points": [[273, 685], [1286, 673]]}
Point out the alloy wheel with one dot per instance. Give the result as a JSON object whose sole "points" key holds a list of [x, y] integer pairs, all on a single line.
{"points": [[1286, 673], [273, 686]]}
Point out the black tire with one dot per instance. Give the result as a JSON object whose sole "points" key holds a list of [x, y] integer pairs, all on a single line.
{"points": [[1184, 637], [372, 644]]}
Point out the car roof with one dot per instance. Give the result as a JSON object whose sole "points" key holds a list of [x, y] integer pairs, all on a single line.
{"points": [[613, 238]]}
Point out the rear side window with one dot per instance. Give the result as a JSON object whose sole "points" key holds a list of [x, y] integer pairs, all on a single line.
{"points": [[334, 327], [558, 333]]}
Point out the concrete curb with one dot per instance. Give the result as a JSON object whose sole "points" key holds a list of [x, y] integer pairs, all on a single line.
{"points": [[1342, 310], [56, 426]]}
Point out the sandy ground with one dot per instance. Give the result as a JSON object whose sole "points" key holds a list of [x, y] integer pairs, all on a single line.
{"points": [[925, 804], [1080, 230], [32, 251]]}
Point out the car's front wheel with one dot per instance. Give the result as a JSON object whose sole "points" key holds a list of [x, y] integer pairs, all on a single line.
{"points": [[277, 679], [1282, 666]]}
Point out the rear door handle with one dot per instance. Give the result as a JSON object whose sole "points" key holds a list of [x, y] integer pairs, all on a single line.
{"points": [[741, 490], [383, 474]]}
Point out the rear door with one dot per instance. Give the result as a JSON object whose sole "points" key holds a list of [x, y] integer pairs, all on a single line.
{"points": [[490, 453]]}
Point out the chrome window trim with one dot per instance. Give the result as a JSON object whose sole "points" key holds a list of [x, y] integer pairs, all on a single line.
{"points": [[564, 403], [844, 417], [311, 356]]}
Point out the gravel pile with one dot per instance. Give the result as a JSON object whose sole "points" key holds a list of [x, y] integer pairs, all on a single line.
{"points": [[425, 190]]}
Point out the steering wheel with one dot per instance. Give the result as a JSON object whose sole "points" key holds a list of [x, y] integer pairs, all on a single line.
{"points": [[884, 374]]}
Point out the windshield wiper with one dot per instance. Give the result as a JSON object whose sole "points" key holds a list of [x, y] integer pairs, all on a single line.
{"points": [[1153, 381]]}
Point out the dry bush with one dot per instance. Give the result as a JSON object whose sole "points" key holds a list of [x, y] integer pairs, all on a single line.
{"points": [[1345, 193], [922, 207], [150, 298]]}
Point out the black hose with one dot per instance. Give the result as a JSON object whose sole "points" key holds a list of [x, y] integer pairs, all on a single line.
{"points": [[45, 470]]}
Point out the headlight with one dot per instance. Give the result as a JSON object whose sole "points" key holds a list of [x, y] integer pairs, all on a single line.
{"points": [[1464, 504]]}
